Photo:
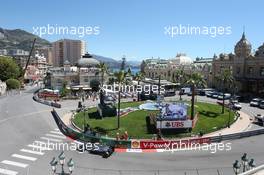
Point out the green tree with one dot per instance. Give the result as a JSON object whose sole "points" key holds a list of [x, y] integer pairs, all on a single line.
{"points": [[227, 79], [123, 64], [195, 80], [64, 90], [103, 69], [179, 77], [138, 77], [95, 84], [120, 78], [8, 68], [143, 66], [129, 72], [12, 84]]}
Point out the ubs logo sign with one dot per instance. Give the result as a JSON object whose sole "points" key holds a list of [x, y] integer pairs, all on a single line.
{"points": [[168, 124]]}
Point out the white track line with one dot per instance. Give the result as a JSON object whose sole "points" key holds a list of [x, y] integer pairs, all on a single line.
{"points": [[39, 147], [50, 139], [24, 157], [32, 152], [56, 136], [7, 172], [8, 162], [56, 129], [56, 132]]}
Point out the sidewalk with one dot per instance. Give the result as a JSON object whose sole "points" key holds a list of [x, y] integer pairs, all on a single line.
{"points": [[241, 124], [259, 172]]}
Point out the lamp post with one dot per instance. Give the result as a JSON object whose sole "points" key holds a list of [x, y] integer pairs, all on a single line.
{"points": [[54, 164], [229, 114], [84, 121]]}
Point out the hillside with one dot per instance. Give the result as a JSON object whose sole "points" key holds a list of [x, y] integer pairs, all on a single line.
{"points": [[19, 39]]}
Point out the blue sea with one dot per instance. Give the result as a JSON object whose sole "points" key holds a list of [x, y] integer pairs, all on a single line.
{"points": [[133, 70]]}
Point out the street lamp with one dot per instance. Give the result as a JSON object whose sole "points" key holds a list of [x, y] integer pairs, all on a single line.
{"points": [[61, 157], [244, 160], [236, 167]]}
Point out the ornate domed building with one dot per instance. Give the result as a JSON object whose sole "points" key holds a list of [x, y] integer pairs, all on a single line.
{"points": [[243, 47], [247, 68], [181, 59], [87, 60]]}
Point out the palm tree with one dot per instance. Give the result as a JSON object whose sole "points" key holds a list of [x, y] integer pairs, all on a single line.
{"points": [[139, 76], [120, 78], [195, 80], [103, 69], [227, 78], [179, 76]]}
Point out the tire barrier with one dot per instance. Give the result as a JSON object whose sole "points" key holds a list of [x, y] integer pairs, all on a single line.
{"points": [[49, 103], [144, 144], [88, 137]]}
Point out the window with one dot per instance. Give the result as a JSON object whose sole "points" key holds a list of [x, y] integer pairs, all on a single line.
{"points": [[250, 70], [238, 70], [261, 71]]}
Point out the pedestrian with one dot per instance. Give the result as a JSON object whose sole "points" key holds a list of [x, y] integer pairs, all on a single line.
{"points": [[125, 135], [117, 136]]}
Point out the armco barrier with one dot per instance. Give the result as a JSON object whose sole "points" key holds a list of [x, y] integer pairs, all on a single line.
{"points": [[144, 144], [237, 135], [49, 103], [84, 137], [254, 170]]}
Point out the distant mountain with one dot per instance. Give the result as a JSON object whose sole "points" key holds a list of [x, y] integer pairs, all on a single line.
{"points": [[134, 63], [112, 63], [19, 39]]}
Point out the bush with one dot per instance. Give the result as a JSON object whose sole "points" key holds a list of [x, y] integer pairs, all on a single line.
{"points": [[12, 84], [8, 68]]}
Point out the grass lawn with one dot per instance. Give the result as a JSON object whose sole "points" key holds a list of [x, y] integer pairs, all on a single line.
{"points": [[210, 119]]}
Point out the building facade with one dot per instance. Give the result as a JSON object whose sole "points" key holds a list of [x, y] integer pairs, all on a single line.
{"points": [[246, 67], [78, 76], [168, 69], [67, 50]]}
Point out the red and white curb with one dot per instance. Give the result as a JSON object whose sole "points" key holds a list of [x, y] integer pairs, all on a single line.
{"points": [[122, 150]]}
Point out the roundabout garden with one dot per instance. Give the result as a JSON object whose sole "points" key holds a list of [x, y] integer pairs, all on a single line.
{"points": [[133, 121]]}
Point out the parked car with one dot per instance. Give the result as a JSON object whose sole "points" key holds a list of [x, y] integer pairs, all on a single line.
{"points": [[261, 104], [221, 96], [236, 105], [255, 102], [209, 94], [190, 93], [236, 97], [259, 119], [215, 95], [203, 92], [122, 95], [185, 90]]}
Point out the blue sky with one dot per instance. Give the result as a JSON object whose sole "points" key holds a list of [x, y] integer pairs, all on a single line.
{"points": [[135, 28]]}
